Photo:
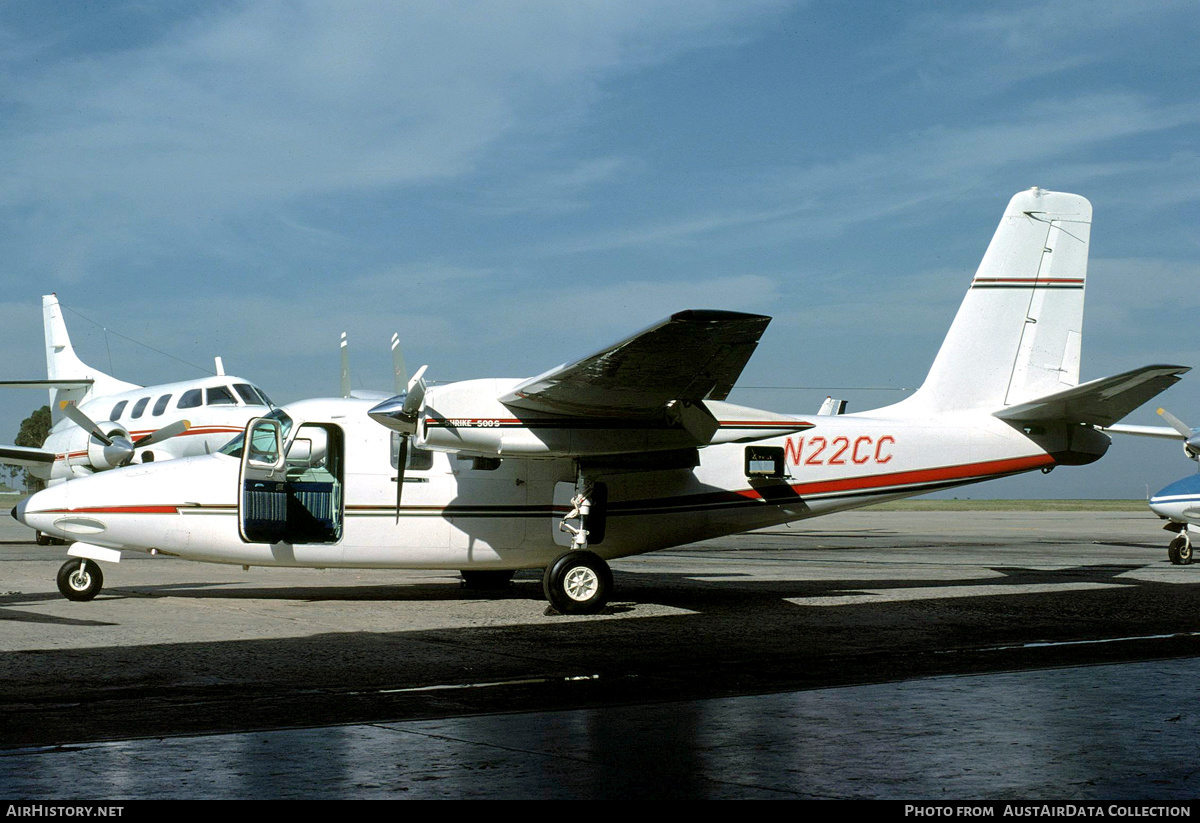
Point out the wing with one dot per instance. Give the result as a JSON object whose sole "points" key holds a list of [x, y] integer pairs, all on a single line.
{"points": [[691, 356], [1098, 402], [25, 456]]}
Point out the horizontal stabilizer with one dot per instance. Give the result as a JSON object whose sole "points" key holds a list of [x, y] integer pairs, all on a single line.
{"points": [[689, 357], [25, 456], [1165, 432], [1098, 402], [45, 384]]}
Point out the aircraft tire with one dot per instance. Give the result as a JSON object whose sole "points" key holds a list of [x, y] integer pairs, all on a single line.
{"points": [[578, 582], [486, 579], [80, 580], [42, 539], [1180, 551]]}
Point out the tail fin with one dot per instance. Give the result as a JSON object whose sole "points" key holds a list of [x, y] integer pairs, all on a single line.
{"points": [[1018, 334], [64, 365]]}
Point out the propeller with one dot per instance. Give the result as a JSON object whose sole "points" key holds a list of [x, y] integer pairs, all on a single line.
{"points": [[1191, 437], [399, 373], [402, 414], [165, 433], [118, 448]]}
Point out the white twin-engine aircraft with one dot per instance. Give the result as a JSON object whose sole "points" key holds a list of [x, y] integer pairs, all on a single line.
{"points": [[623, 452], [100, 422]]}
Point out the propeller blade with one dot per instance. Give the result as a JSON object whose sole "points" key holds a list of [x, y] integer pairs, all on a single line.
{"points": [[1177, 424], [166, 432], [345, 367], [81, 420], [416, 393], [399, 373], [401, 461]]}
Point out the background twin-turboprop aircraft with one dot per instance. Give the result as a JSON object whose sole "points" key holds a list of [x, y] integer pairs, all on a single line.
{"points": [[625, 451]]}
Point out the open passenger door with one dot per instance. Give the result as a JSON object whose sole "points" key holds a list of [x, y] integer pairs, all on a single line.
{"points": [[293, 497]]}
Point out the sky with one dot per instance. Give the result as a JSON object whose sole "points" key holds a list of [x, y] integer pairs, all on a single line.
{"points": [[514, 185]]}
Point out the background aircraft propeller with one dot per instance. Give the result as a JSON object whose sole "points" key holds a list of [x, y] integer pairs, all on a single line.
{"points": [[1191, 437], [118, 447]]}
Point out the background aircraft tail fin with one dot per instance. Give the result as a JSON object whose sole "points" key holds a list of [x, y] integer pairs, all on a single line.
{"points": [[1018, 333], [64, 365]]}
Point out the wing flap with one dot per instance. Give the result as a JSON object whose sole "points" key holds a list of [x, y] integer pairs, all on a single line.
{"points": [[1098, 402], [689, 357]]}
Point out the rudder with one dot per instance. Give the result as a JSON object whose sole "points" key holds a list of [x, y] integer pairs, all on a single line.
{"points": [[1018, 332]]}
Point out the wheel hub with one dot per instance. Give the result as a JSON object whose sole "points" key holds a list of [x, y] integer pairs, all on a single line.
{"points": [[581, 584]]}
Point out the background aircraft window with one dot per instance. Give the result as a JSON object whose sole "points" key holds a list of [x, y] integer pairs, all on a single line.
{"points": [[139, 407], [248, 394], [119, 409], [220, 396], [419, 459], [191, 399], [263, 395], [160, 405]]}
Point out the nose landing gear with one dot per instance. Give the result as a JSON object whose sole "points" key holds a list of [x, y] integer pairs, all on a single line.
{"points": [[80, 580]]}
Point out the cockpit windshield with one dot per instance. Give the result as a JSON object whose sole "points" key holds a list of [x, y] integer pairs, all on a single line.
{"points": [[234, 447], [251, 396]]}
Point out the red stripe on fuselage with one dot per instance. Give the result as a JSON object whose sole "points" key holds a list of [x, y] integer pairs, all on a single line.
{"points": [[919, 476]]}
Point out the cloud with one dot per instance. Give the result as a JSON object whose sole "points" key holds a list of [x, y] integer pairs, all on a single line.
{"points": [[241, 108]]}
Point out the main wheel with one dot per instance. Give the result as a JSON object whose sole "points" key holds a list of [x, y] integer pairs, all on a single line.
{"points": [[578, 582], [80, 580]]}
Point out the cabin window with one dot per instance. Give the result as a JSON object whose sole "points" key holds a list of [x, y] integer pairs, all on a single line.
{"points": [[220, 396], [190, 399], [482, 464], [119, 409], [418, 459], [139, 407], [160, 405]]}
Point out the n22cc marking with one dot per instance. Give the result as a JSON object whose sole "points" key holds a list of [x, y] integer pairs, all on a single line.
{"points": [[838, 451]]}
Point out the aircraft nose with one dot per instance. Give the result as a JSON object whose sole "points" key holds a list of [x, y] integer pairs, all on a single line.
{"points": [[14, 514]]}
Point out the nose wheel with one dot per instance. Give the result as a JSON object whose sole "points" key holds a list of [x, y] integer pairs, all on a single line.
{"points": [[79, 579], [1180, 550]]}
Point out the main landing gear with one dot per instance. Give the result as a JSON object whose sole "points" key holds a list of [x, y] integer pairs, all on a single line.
{"points": [[578, 581], [80, 579]]}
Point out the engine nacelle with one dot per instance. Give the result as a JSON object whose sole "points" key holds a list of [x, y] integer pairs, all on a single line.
{"points": [[98, 455], [467, 418]]}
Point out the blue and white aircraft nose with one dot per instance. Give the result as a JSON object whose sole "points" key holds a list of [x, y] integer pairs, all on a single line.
{"points": [[1180, 501]]}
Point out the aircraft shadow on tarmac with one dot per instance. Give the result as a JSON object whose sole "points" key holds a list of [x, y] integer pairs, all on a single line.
{"points": [[722, 637], [696, 593]]}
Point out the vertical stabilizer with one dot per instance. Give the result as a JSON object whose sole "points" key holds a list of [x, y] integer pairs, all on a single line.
{"points": [[63, 364], [1018, 334]]}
